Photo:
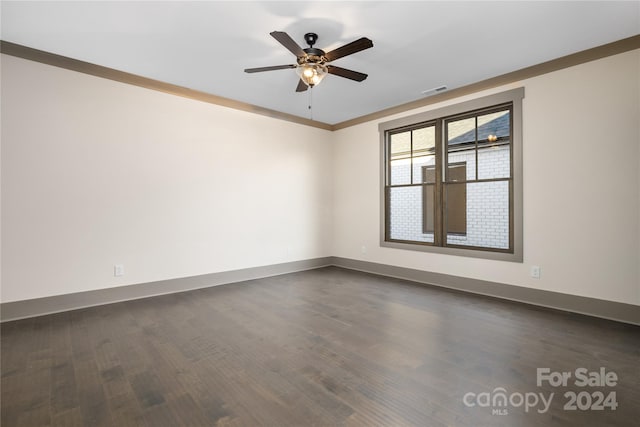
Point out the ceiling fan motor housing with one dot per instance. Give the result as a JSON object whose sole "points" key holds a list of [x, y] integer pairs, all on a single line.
{"points": [[312, 55]]}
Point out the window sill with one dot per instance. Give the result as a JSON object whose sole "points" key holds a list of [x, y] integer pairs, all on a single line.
{"points": [[497, 255]]}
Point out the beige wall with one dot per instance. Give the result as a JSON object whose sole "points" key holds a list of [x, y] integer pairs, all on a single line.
{"points": [[96, 172], [581, 187]]}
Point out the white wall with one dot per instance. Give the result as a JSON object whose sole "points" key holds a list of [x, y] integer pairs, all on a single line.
{"points": [[581, 187], [96, 172]]}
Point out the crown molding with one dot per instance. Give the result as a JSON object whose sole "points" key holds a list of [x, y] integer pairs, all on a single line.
{"points": [[603, 51], [67, 63], [609, 49]]}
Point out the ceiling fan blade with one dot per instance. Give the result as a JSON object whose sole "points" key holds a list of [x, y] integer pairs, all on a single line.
{"points": [[286, 41], [349, 74], [349, 48], [301, 86], [261, 69]]}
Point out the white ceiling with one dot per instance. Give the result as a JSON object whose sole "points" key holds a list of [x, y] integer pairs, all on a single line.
{"points": [[206, 45]]}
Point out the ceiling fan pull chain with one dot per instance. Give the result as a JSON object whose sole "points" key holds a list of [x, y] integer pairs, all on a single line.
{"points": [[310, 103]]}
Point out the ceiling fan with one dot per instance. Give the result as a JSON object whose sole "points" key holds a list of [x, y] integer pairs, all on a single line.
{"points": [[312, 63]]}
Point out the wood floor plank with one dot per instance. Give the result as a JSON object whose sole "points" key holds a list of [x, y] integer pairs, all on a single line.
{"points": [[326, 347], [69, 418]]}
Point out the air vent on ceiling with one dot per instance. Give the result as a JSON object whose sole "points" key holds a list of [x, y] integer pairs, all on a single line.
{"points": [[434, 90]]}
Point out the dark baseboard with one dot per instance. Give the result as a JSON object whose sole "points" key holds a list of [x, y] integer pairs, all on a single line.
{"points": [[59, 303], [621, 312]]}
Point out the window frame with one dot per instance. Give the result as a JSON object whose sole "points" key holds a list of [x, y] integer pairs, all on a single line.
{"points": [[514, 97]]}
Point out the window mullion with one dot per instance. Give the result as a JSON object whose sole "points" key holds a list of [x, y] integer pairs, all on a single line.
{"points": [[476, 150], [440, 154], [411, 157]]}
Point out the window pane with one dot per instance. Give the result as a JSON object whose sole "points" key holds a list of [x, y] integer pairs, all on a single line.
{"points": [[429, 211], [494, 162], [461, 131], [485, 209], [424, 141], [429, 174], [494, 124], [400, 154], [461, 146], [419, 166], [400, 145], [456, 209], [467, 158], [406, 214], [400, 172], [457, 172], [494, 138]]}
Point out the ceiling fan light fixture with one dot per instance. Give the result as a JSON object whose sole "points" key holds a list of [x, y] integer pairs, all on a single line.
{"points": [[312, 62], [311, 73]]}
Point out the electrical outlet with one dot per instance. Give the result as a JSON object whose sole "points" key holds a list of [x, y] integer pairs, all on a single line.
{"points": [[363, 249], [535, 271], [118, 270]]}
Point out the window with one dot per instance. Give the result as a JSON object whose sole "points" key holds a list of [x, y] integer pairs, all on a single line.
{"points": [[452, 179]]}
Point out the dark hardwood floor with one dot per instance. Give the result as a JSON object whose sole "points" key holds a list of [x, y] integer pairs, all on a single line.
{"points": [[317, 348]]}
